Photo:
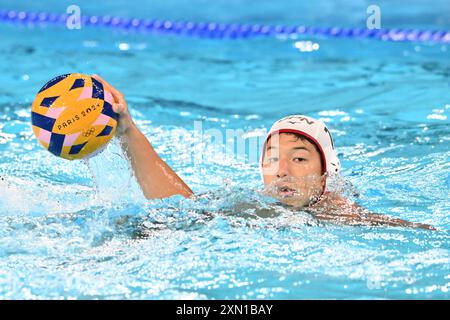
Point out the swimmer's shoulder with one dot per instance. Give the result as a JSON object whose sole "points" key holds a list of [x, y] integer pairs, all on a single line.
{"points": [[335, 200]]}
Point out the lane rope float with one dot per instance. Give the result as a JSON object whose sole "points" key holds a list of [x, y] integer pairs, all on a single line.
{"points": [[224, 30]]}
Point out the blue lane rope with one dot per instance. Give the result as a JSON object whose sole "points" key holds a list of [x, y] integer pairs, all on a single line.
{"points": [[223, 30]]}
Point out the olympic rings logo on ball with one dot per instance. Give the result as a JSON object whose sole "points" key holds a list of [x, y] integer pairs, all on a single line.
{"points": [[86, 134]]}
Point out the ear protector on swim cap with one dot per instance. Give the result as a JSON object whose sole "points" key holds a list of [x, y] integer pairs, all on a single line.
{"points": [[313, 129]]}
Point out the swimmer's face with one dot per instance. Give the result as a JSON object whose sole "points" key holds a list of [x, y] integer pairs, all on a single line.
{"points": [[292, 169]]}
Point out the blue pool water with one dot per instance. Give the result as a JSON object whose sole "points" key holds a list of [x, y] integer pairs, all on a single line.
{"points": [[84, 231]]}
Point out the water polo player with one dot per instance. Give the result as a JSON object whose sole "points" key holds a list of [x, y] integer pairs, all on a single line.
{"points": [[297, 159]]}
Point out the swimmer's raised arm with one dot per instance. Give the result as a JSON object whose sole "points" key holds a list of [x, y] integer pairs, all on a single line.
{"points": [[155, 177]]}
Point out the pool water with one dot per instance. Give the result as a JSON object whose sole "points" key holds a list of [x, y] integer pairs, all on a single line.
{"points": [[83, 230]]}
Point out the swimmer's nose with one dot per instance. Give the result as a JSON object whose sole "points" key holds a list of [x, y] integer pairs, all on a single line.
{"points": [[283, 169]]}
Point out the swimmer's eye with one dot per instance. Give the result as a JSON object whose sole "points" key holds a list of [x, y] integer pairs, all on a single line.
{"points": [[298, 159]]}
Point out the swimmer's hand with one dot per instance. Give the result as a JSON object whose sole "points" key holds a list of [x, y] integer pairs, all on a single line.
{"points": [[155, 177], [119, 106]]}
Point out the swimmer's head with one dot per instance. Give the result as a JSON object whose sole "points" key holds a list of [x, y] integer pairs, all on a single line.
{"points": [[297, 157]]}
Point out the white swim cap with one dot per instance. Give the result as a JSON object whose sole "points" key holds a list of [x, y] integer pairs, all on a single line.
{"points": [[314, 130]]}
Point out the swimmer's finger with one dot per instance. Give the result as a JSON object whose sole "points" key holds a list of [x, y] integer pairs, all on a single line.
{"points": [[118, 108], [120, 99], [115, 108], [107, 86], [103, 81], [424, 226], [118, 96]]}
